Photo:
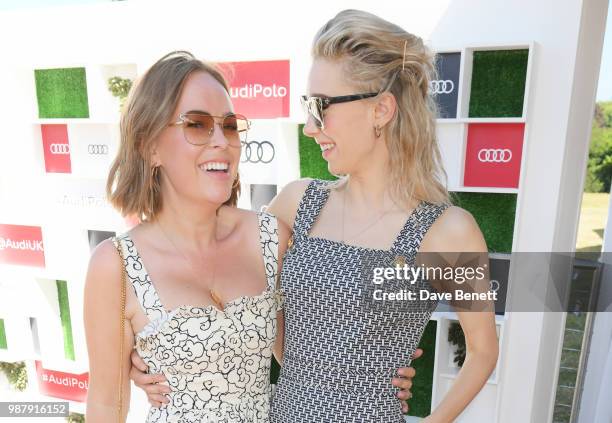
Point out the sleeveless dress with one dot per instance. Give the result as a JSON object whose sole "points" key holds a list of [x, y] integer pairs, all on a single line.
{"points": [[341, 350], [217, 362]]}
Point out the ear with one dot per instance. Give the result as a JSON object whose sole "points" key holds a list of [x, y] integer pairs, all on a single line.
{"points": [[385, 109], [152, 154], [155, 159]]}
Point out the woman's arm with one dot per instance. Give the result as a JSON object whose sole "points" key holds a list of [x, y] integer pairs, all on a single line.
{"points": [[284, 232], [457, 231], [101, 312], [284, 205]]}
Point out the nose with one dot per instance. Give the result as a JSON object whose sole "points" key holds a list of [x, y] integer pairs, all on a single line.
{"points": [[218, 139], [310, 127]]}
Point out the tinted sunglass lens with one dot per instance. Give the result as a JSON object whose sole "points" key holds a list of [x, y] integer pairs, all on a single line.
{"points": [[198, 128]]}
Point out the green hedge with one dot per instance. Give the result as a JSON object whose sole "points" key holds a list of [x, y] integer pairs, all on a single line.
{"points": [[312, 164], [498, 83], [64, 306], [494, 214], [422, 384], [61, 93], [3, 345]]}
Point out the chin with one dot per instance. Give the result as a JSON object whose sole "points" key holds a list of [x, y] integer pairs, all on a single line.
{"points": [[335, 169], [218, 197]]}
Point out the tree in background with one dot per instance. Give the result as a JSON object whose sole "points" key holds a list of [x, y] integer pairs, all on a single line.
{"points": [[599, 167]]}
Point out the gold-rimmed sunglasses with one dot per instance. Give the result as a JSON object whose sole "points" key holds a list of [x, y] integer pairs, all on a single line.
{"points": [[314, 106], [198, 128]]}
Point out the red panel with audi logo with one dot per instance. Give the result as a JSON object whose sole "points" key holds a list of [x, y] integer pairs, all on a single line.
{"points": [[22, 245], [493, 155], [259, 90], [56, 148]]}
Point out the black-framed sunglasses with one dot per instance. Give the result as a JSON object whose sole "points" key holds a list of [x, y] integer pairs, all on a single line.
{"points": [[198, 128], [314, 106]]}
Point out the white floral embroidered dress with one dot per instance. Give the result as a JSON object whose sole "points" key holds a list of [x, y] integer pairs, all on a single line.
{"points": [[217, 362]]}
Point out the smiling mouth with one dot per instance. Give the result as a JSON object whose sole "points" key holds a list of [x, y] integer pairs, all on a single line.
{"points": [[222, 167], [327, 146]]}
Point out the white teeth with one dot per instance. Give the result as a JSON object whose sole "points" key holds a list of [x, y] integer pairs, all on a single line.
{"points": [[325, 147], [215, 166]]}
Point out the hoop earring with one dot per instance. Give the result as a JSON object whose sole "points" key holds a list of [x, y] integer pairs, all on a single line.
{"points": [[377, 131]]}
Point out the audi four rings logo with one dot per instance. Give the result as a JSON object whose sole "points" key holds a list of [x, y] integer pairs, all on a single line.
{"points": [[258, 152], [442, 86], [59, 148], [495, 155], [97, 149]]}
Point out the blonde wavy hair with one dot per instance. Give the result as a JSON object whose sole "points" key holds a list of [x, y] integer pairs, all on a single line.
{"points": [[378, 56], [133, 187]]}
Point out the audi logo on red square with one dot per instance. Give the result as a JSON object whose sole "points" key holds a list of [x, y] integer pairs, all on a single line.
{"points": [[56, 148], [493, 155]]}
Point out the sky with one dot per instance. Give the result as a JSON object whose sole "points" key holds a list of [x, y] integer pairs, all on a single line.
{"points": [[604, 88]]}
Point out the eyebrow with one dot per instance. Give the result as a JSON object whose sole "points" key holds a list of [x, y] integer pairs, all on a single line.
{"points": [[203, 112]]}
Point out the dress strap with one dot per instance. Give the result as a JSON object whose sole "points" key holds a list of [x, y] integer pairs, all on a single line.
{"points": [[409, 239], [310, 206], [139, 278], [268, 239]]}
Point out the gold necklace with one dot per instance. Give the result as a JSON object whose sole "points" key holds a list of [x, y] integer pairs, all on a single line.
{"points": [[368, 226], [218, 303]]}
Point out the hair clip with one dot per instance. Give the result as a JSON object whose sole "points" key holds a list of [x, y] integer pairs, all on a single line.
{"points": [[404, 59]]}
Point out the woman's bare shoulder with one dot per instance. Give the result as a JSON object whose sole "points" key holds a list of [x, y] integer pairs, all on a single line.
{"points": [[285, 204], [455, 229]]}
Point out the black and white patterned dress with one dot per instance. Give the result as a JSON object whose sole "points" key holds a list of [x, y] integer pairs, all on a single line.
{"points": [[341, 350], [217, 362]]}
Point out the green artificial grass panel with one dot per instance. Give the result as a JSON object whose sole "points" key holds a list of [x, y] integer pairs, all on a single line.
{"points": [[422, 384], [498, 83], [494, 214], [312, 164], [64, 306], [61, 93], [3, 345]]}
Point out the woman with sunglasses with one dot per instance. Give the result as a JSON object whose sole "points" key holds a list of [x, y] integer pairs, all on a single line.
{"points": [[370, 110], [199, 274]]}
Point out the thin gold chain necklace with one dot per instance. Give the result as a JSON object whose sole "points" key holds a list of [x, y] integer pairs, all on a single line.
{"points": [[384, 212], [218, 303]]}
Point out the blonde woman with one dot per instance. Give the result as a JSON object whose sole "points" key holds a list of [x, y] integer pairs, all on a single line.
{"points": [[370, 110], [192, 314]]}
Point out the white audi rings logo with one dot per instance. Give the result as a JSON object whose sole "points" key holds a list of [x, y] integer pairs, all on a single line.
{"points": [[495, 155], [442, 86], [258, 152], [60, 148], [97, 149]]}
